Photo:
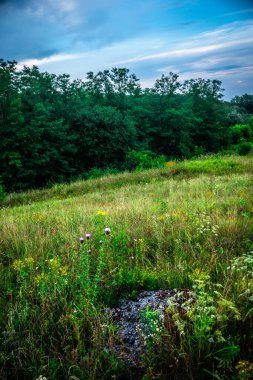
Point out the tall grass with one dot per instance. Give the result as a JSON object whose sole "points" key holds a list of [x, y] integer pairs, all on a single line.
{"points": [[186, 226], [213, 165]]}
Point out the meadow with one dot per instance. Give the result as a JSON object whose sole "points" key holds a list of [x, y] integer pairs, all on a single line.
{"points": [[69, 252]]}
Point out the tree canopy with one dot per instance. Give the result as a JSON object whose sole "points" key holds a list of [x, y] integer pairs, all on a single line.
{"points": [[53, 129]]}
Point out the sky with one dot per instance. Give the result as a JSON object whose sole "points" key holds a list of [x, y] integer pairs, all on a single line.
{"points": [[193, 38]]}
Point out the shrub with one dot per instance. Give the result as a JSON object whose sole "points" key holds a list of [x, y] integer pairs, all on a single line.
{"points": [[241, 133], [244, 148], [144, 159]]}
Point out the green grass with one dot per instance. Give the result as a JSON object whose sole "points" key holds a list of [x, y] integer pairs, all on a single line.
{"points": [[213, 165], [170, 227]]}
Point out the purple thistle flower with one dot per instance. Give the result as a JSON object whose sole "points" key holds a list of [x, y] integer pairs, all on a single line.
{"points": [[81, 240], [107, 230], [100, 241], [87, 236]]}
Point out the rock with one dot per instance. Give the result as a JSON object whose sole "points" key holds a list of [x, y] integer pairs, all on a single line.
{"points": [[129, 341]]}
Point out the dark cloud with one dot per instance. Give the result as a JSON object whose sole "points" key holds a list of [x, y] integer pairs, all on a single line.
{"points": [[36, 29], [32, 27]]}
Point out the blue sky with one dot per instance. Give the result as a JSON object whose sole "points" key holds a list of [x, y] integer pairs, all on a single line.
{"points": [[193, 38]]}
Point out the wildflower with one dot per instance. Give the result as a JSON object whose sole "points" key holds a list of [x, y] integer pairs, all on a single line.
{"points": [[100, 241], [81, 239], [29, 261], [18, 265], [107, 230], [62, 270], [40, 278], [102, 213], [87, 236], [54, 263]]}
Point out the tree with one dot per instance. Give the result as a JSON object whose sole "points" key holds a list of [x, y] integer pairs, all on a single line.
{"points": [[205, 98], [166, 85], [52, 128], [105, 135], [244, 101], [203, 88], [112, 87]]}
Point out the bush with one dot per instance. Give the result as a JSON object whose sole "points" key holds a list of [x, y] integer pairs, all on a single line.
{"points": [[241, 133], [244, 148], [144, 159]]}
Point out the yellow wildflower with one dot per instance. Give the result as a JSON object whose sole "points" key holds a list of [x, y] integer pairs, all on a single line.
{"points": [[40, 278], [18, 265], [102, 213], [62, 270], [54, 263], [29, 261]]}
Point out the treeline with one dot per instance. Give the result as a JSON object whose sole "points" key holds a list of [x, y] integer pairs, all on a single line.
{"points": [[53, 129]]}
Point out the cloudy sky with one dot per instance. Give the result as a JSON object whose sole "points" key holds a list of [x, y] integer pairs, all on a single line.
{"points": [[194, 38]]}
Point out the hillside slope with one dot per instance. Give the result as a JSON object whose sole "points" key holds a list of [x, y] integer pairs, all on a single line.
{"points": [[185, 226]]}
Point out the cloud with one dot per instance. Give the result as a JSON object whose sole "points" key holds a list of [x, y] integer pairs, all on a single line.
{"points": [[220, 73], [51, 59], [229, 36], [222, 53], [181, 53], [149, 38], [30, 27]]}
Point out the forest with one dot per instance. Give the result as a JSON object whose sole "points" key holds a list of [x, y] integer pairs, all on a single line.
{"points": [[54, 129]]}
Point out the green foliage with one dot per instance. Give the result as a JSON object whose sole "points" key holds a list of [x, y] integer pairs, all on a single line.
{"points": [[241, 133], [53, 129], [244, 148], [140, 160], [244, 101]]}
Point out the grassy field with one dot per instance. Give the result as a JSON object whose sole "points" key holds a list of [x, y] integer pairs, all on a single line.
{"points": [[188, 225]]}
